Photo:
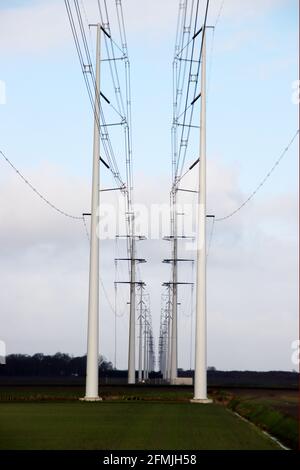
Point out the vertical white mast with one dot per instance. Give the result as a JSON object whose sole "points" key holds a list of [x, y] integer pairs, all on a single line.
{"points": [[141, 337], [169, 352], [145, 344], [91, 393], [131, 350], [200, 381], [174, 297]]}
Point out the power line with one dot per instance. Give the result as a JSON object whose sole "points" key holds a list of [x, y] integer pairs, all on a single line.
{"points": [[284, 152], [219, 13], [211, 60], [87, 22], [186, 30], [50, 204], [185, 138], [262, 182], [195, 91], [213, 43], [179, 77], [107, 297], [62, 212], [210, 237], [187, 92], [113, 67], [88, 71], [112, 308], [124, 107], [85, 228], [126, 119]]}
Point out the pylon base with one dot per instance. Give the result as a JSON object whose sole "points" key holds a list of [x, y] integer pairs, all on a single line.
{"points": [[90, 399], [204, 401]]}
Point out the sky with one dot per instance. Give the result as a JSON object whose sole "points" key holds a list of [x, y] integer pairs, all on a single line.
{"points": [[46, 129]]}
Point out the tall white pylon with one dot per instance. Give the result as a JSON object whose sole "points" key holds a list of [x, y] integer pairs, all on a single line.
{"points": [[200, 380], [174, 332], [141, 337], [131, 349], [145, 377], [91, 393], [169, 352]]}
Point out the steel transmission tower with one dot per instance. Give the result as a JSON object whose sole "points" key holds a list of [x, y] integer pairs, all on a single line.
{"points": [[132, 315]]}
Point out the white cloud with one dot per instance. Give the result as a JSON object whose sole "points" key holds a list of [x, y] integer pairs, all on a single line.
{"points": [[44, 274]]}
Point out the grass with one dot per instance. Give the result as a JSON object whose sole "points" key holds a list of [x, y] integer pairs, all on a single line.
{"points": [[275, 411], [63, 393], [278, 424], [127, 425]]}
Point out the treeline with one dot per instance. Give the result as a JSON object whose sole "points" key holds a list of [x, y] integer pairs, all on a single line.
{"points": [[248, 378], [73, 368], [41, 365]]}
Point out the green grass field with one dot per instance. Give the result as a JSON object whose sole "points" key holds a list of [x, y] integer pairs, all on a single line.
{"points": [[132, 392], [127, 425]]}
